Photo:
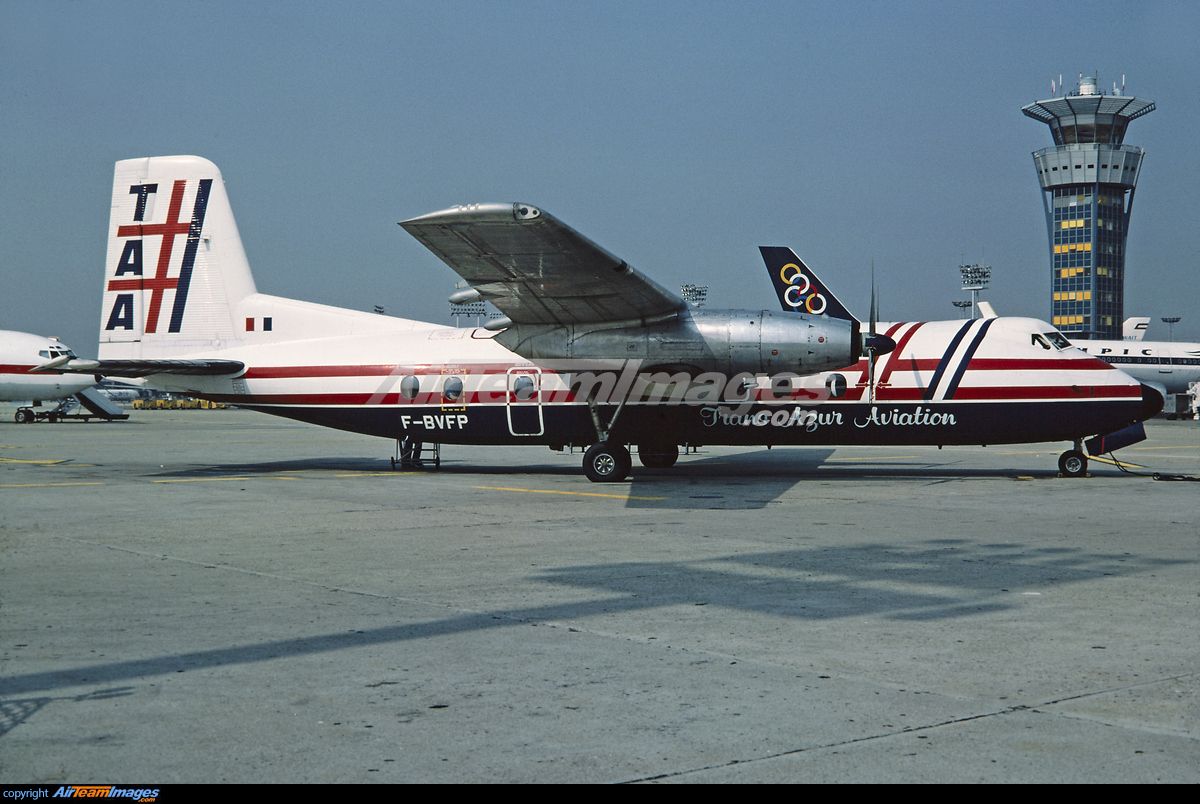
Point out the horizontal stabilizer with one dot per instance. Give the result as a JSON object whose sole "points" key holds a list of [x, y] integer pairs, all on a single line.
{"points": [[144, 368]]}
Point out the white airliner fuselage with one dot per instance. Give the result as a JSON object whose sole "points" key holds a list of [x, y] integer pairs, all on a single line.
{"points": [[19, 353], [1173, 366]]}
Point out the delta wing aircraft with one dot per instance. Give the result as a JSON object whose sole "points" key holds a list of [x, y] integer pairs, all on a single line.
{"points": [[590, 353]]}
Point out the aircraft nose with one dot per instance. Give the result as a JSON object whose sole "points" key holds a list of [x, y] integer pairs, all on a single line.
{"points": [[1152, 402]]}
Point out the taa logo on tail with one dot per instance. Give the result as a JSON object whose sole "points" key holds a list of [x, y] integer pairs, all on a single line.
{"points": [[129, 274]]}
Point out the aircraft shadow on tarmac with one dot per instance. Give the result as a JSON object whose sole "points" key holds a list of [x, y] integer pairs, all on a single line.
{"points": [[733, 481], [805, 584]]}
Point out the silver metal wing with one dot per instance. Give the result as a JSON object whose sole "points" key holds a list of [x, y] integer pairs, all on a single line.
{"points": [[537, 270]]}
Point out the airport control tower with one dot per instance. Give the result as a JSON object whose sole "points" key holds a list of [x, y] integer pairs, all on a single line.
{"points": [[1088, 179]]}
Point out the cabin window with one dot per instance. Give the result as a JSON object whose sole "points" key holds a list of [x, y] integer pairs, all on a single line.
{"points": [[452, 389], [410, 386], [523, 388]]}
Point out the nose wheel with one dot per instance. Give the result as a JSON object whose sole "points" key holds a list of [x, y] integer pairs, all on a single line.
{"points": [[1072, 463], [607, 463]]}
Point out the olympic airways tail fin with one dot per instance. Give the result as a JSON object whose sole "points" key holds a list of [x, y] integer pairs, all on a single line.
{"points": [[798, 288], [175, 269]]}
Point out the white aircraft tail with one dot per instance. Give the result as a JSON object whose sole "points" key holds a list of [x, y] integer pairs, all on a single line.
{"points": [[176, 280], [175, 270], [1134, 329]]}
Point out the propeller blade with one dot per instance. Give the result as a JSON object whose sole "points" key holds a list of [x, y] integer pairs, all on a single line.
{"points": [[871, 378], [871, 331], [871, 341]]}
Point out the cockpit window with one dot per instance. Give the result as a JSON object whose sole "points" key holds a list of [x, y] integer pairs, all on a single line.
{"points": [[1058, 339], [1038, 340]]}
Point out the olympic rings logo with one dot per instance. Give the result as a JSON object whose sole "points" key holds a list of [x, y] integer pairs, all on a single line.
{"points": [[797, 296]]}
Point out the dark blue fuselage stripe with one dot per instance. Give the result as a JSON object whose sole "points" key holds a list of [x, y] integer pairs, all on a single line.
{"points": [[189, 255], [966, 361], [941, 369]]}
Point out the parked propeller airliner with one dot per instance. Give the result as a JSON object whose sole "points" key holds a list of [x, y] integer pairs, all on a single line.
{"points": [[590, 353]]}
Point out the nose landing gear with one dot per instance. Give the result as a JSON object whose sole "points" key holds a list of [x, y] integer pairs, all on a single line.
{"points": [[1073, 463]]}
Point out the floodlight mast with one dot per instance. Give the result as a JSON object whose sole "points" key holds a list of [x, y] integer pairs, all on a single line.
{"points": [[1171, 321], [975, 278], [694, 294]]}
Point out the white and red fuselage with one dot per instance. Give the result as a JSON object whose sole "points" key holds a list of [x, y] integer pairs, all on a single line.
{"points": [[22, 351], [609, 354], [947, 382]]}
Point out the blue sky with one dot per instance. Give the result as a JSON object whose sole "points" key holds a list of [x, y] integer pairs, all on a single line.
{"points": [[680, 136]]}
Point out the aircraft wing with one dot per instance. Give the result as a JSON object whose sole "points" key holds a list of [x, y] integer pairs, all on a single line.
{"points": [[144, 368], [537, 270]]}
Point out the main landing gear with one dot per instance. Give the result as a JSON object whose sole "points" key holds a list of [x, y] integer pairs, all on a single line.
{"points": [[658, 456], [607, 462], [1073, 463]]}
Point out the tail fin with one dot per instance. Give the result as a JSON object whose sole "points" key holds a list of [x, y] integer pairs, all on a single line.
{"points": [[798, 288], [1134, 329], [175, 269]]}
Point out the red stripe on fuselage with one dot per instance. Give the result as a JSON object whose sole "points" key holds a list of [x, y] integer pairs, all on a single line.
{"points": [[1038, 364], [1072, 393], [894, 356], [425, 369]]}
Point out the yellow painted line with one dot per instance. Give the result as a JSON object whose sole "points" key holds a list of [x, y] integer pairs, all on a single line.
{"points": [[199, 479], [213, 479], [576, 493], [43, 462], [1162, 447], [380, 474], [29, 485], [1114, 463]]}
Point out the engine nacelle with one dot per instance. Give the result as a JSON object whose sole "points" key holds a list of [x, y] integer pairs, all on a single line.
{"points": [[727, 341]]}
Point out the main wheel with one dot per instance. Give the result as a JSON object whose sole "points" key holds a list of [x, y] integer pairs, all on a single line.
{"points": [[1072, 463], [658, 456], [24, 416], [606, 463]]}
